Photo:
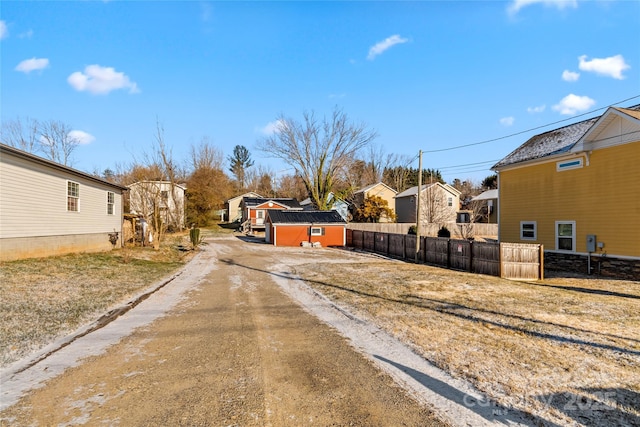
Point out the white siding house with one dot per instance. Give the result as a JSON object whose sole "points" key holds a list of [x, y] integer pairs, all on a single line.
{"points": [[50, 209], [144, 196]]}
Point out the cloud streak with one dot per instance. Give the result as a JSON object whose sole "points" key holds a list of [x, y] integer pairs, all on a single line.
{"points": [[100, 80], [573, 104], [517, 5], [33, 64], [612, 66], [4, 31], [381, 47]]}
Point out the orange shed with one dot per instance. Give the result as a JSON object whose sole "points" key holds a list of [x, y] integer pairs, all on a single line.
{"points": [[296, 228]]}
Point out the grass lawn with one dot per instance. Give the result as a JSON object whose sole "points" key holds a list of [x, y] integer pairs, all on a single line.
{"points": [[567, 346], [46, 298]]}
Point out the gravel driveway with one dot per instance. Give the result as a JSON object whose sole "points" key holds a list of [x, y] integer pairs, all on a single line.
{"points": [[223, 344]]}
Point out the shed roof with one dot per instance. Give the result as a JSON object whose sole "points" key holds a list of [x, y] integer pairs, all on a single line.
{"points": [[369, 187], [255, 201], [7, 149], [414, 190], [305, 217], [486, 195]]}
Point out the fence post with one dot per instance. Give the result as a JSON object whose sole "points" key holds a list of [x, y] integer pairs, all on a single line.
{"points": [[448, 253], [387, 234], [404, 246], [541, 259], [470, 256]]}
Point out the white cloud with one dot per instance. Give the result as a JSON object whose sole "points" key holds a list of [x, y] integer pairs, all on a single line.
{"points": [[101, 80], [507, 121], [273, 127], [517, 5], [82, 137], [570, 76], [26, 35], [4, 31], [538, 109], [612, 66], [33, 64], [572, 104], [382, 46]]}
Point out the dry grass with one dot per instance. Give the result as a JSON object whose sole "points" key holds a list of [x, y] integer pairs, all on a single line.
{"points": [[46, 298], [565, 347]]}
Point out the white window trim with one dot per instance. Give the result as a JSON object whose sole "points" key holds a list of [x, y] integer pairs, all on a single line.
{"points": [[535, 230], [566, 165], [75, 197], [111, 203], [573, 236], [316, 231]]}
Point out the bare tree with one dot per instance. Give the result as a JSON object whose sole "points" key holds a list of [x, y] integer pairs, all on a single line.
{"points": [[434, 206], [57, 142], [21, 134], [318, 150], [206, 155]]}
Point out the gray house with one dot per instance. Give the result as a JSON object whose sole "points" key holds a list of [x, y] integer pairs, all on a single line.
{"points": [[438, 204], [50, 209]]}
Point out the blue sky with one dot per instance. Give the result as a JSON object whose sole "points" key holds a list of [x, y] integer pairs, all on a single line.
{"points": [[427, 75]]}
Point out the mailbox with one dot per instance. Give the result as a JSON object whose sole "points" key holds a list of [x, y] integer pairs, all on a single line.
{"points": [[591, 242]]}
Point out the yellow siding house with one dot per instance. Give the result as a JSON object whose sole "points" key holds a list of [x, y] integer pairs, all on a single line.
{"points": [[576, 190]]}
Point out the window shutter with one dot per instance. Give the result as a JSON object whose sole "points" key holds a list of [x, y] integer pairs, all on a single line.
{"points": [[322, 231]]}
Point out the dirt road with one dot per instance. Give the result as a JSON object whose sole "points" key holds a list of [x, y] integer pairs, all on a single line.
{"points": [[234, 350]]}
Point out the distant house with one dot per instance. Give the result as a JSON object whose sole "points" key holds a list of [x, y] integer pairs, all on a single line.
{"points": [[337, 204], [379, 189], [149, 197], [488, 212], [439, 204], [298, 228], [233, 208], [50, 209], [254, 211], [576, 190]]}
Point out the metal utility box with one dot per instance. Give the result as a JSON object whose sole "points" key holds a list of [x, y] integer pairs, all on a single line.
{"points": [[591, 242]]}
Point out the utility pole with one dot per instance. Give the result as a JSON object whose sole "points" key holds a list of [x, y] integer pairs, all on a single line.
{"points": [[418, 210]]}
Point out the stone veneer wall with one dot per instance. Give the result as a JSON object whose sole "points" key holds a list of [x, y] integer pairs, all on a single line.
{"points": [[600, 265]]}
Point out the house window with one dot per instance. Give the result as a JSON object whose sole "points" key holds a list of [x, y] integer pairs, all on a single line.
{"points": [[528, 230], [566, 236], [449, 201], [73, 196], [317, 231], [111, 201], [260, 214], [569, 164]]}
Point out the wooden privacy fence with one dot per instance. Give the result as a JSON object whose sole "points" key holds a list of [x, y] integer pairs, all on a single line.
{"points": [[517, 261]]}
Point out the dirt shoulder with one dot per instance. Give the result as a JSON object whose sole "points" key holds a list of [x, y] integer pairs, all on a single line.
{"points": [[233, 350]]}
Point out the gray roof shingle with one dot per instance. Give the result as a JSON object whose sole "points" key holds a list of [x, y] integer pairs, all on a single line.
{"points": [[305, 217], [556, 141]]}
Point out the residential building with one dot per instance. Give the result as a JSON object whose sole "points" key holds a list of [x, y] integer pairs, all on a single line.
{"points": [[150, 198], [379, 189], [575, 190], [254, 211], [50, 209], [438, 204], [233, 208]]}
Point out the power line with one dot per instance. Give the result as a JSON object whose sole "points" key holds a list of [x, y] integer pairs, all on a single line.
{"points": [[528, 130]]}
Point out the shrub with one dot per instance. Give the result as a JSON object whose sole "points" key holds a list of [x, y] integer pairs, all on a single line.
{"points": [[444, 232]]}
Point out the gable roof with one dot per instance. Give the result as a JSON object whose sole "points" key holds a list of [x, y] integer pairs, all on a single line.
{"points": [[249, 194], [486, 195], [414, 190], [369, 187], [304, 217], [255, 201], [7, 149], [557, 141]]}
